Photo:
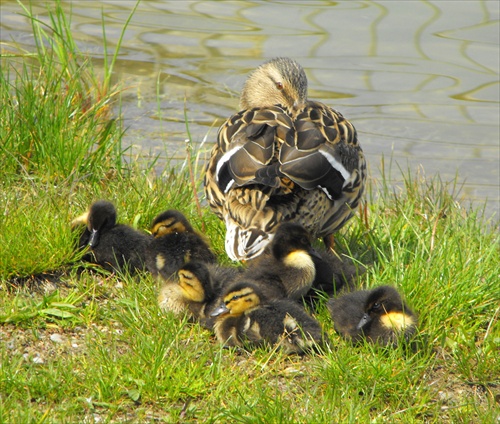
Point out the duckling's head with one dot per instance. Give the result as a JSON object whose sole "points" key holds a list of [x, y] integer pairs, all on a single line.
{"points": [[280, 81], [384, 304], [194, 281], [237, 299], [292, 244], [170, 222], [101, 217]]}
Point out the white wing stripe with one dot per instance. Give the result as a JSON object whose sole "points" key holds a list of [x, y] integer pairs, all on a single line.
{"points": [[225, 157], [337, 165]]}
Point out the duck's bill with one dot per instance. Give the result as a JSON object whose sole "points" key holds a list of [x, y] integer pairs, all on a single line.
{"points": [[364, 320], [94, 238], [222, 309]]}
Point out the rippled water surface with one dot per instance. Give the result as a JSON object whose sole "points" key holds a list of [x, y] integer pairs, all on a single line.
{"points": [[419, 79]]}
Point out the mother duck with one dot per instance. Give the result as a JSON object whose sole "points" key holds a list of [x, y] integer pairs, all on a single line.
{"points": [[282, 158]]}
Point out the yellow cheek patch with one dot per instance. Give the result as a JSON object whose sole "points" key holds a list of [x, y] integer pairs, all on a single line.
{"points": [[237, 307], [168, 227], [299, 259], [178, 227], [157, 230], [397, 320], [193, 294], [244, 303], [80, 220]]}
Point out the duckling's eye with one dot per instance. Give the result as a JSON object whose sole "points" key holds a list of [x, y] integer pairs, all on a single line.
{"points": [[279, 85], [236, 297], [376, 306]]}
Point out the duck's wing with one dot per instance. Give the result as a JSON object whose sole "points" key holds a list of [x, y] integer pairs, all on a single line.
{"points": [[250, 144], [269, 166], [247, 143], [324, 151], [243, 174]]}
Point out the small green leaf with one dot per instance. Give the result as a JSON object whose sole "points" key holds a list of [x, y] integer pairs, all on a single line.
{"points": [[134, 394], [56, 313], [137, 218]]}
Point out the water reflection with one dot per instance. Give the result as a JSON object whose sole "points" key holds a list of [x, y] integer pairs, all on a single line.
{"points": [[418, 79]]}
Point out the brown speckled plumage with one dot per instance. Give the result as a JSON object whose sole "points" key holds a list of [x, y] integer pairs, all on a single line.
{"points": [[282, 158]]}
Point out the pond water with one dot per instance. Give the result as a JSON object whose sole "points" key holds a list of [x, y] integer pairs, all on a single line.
{"points": [[418, 79]]}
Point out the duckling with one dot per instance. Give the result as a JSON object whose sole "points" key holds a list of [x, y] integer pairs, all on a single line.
{"points": [[175, 243], [243, 320], [379, 315], [195, 289], [288, 269], [186, 290], [112, 246], [283, 158]]}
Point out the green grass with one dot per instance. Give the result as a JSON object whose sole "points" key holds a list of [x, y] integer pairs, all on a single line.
{"points": [[97, 348]]}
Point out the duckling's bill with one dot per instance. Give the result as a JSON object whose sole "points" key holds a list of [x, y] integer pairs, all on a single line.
{"points": [[94, 238], [221, 310], [365, 320]]}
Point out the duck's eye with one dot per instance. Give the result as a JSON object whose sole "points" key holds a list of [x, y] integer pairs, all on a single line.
{"points": [[186, 275], [236, 297], [376, 306], [279, 85]]}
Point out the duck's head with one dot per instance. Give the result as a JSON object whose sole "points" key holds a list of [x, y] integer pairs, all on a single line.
{"points": [[170, 222], [384, 304], [292, 245], [280, 81], [238, 299], [101, 217], [194, 281]]}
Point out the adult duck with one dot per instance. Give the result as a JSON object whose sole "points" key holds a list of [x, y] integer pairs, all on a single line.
{"points": [[283, 158]]}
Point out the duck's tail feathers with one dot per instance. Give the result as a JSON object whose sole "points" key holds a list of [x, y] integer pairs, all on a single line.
{"points": [[245, 244]]}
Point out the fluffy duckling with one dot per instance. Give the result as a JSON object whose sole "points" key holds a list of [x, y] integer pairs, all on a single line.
{"points": [[283, 158], [195, 289], [113, 246], [175, 243], [187, 290], [289, 269], [242, 320], [379, 315]]}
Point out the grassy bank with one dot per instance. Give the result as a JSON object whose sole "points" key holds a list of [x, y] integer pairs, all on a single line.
{"points": [[94, 347]]}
